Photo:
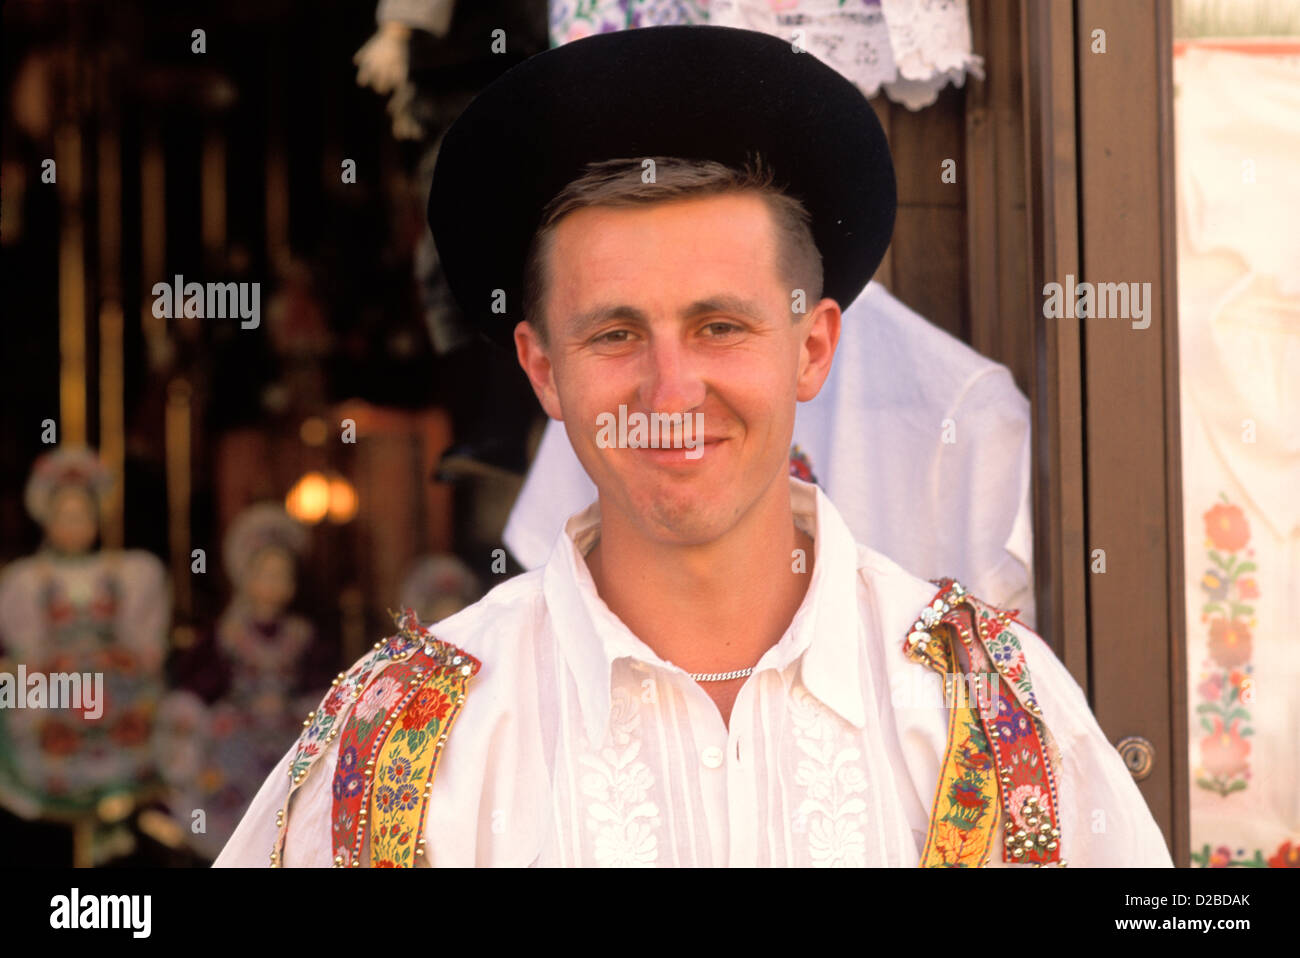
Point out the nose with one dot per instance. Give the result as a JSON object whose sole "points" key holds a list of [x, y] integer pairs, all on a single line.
{"points": [[671, 381]]}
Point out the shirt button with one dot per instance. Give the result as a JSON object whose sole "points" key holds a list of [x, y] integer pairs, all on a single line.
{"points": [[712, 757]]}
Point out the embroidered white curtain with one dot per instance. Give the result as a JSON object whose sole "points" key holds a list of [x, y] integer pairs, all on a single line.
{"points": [[1237, 128], [911, 49]]}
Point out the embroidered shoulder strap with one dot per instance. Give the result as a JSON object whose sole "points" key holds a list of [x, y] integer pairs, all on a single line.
{"points": [[991, 700], [393, 711]]}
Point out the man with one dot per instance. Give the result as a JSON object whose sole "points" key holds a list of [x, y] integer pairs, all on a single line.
{"points": [[943, 487], [709, 670]]}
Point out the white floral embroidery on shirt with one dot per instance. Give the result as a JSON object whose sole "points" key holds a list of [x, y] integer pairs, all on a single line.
{"points": [[620, 815], [831, 812]]}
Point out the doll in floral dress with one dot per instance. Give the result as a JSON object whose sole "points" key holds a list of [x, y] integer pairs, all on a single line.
{"points": [[237, 713], [73, 609]]}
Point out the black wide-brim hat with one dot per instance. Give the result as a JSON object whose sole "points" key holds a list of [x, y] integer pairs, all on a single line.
{"points": [[695, 92]]}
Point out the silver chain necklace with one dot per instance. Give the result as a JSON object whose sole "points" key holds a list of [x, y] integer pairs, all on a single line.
{"points": [[721, 676]]}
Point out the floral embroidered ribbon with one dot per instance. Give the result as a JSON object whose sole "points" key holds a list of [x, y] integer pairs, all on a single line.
{"points": [[964, 814], [364, 734], [405, 673], [407, 761], [969, 801]]}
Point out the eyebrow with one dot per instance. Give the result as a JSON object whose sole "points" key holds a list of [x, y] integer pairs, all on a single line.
{"points": [[720, 303]]}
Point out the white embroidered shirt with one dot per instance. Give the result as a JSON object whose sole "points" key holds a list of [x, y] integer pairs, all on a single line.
{"points": [[578, 745]]}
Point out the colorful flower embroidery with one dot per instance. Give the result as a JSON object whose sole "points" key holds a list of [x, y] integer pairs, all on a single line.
{"points": [[407, 796], [348, 759], [1225, 687], [1223, 754], [959, 847], [430, 704], [1226, 526], [1017, 802], [378, 697], [1005, 650], [348, 785], [1011, 724], [1286, 856], [967, 802]]}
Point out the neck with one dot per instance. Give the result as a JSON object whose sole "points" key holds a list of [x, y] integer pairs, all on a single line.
{"points": [[711, 607]]}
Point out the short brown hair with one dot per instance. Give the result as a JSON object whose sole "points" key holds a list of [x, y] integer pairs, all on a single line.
{"points": [[619, 182]]}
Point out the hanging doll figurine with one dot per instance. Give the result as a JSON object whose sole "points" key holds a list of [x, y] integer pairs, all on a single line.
{"points": [[236, 713], [78, 623]]}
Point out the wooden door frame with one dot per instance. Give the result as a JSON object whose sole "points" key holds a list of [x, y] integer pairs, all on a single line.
{"points": [[1100, 207]]}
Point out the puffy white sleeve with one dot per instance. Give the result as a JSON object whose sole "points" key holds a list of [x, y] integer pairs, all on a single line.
{"points": [[145, 612], [22, 624]]}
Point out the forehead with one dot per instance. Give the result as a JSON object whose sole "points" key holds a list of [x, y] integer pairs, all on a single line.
{"points": [[686, 244]]}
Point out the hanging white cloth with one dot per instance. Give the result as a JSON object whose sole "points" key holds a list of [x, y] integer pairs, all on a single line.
{"points": [[910, 48], [1238, 161]]}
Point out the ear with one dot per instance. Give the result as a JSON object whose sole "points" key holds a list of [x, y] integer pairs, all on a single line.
{"points": [[537, 367], [821, 337]]}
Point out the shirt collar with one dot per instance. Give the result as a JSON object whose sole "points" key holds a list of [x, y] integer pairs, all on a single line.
{"points": [[824, 637]]}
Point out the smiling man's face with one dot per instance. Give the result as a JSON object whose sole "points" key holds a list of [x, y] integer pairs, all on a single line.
{"points": [[678, 307]]}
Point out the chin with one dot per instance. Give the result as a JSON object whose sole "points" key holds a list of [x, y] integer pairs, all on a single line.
{"points": [[686, 516]]}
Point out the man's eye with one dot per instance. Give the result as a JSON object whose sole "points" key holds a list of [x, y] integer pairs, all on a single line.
{"points": [[722, 329], [613, 336]]}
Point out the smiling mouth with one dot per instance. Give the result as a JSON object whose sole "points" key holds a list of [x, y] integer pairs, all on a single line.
{"points": [[683, 455]]}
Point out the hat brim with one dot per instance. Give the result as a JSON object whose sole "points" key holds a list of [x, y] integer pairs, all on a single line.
{"points": [[696, 92]]}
